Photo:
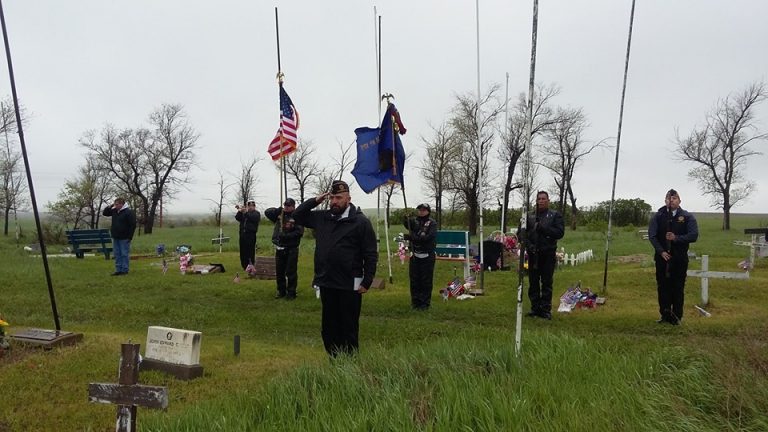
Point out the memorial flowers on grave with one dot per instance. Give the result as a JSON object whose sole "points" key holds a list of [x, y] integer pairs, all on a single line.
{"points": [[4, 345]]}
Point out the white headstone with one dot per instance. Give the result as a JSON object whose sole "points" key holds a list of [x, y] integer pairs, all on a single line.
{"points": [[172, 345]]}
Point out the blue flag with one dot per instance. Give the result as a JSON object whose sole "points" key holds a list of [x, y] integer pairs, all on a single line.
{"points": [[380, 153]]}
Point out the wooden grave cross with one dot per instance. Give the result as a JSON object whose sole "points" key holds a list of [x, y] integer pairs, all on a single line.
{"points": [[127, 393], [705, 274]]}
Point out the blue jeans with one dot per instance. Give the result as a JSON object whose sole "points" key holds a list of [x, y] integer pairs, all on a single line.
{"points": [[122, 249]]}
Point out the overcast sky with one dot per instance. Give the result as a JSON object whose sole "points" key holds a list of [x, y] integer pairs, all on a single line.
{"points": [[81, 64]]}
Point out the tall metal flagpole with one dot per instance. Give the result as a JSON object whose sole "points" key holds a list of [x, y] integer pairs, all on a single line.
{"points": [[618, 146], [283, 176], [376, 54], [506, 130], [480, 195], [386, 217], [528, 145], [20, 128]]}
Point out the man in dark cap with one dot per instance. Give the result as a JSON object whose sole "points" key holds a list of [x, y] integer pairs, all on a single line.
{"points": [[286, 237], [249, 219], [670, 232], [545, 228], [422, 233], [345, 264]]}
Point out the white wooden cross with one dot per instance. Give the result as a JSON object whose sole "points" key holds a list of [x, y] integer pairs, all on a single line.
{"points": [[758, 245], [705, 274]]}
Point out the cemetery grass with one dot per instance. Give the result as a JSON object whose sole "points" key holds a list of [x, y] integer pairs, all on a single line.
{"points": [[451, 368]]}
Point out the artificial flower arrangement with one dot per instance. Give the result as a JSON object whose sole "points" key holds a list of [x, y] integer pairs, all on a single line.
{"points": [[4, 345]]}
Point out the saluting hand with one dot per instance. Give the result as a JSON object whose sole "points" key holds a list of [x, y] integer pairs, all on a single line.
{"points": [[320, 198]]}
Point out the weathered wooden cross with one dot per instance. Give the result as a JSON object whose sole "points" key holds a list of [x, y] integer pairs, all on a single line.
{"points": [[705, 274], [127, 394]]}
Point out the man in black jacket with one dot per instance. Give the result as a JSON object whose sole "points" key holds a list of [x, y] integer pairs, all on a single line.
{"points": [[345, 264], [422, 233], [545, 228], [670, 232], [286, 237], [122, 229], [249, 218]]}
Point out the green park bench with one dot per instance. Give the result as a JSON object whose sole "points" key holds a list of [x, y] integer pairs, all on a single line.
{"points": [[90, 240]]}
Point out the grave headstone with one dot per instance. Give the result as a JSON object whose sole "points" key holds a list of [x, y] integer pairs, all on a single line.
{"points": [[46, 339], [174, 351]]}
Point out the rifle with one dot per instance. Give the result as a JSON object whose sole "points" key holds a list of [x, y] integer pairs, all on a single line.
{"points": [[669, 242]]}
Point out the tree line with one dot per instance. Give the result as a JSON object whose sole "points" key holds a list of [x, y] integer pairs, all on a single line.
{"points": [[149, 164]]}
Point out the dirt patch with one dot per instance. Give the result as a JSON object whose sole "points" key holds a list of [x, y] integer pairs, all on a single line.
{"points": [[632, 259]]}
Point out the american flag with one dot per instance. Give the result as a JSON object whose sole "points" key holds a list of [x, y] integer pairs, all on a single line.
{"points": [[455, 287], [285, 138]]}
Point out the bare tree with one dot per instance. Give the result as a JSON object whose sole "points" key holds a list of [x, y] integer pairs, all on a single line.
{"points": [[465, 122], [389, 190], [246, 181], [148, 164], [80, 201], [218, 202], [343, 161], [341, 164], [513, 139], [441, 153], [719, 149], [303, 167], [12, 175], [563, 149]]}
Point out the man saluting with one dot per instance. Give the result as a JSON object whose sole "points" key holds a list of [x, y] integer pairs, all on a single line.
{"points": [[345, 264]]}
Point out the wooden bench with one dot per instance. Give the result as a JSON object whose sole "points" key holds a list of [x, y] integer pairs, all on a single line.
{"points": [[643, 233], [97, 240], [450, 243]]}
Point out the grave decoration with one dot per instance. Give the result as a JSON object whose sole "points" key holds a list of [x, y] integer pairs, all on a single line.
{"points": [[578, 297], [4, 345]]}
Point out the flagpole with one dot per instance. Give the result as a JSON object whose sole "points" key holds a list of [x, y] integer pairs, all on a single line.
{"points": [[506, 130], [33, 198], [377, 55], [283, 180], [528, 145], [386, 217], [618, 146], [480, 196]]}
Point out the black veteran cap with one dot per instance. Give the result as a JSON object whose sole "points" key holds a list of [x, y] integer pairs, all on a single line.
{"points": [[339, 186], [424, 206], [289, 202]]}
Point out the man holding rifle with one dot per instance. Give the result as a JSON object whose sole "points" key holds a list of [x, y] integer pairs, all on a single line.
{"points": [[670, 232]]}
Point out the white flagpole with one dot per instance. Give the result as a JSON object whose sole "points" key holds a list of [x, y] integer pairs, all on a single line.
{"points": [[528, 144], [480, 195]]}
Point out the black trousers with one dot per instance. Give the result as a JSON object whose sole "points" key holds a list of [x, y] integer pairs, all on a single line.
{"points": [[671, 290], [247, 249], [340, 320], [421, 271], [286, 261], [541, 268]]}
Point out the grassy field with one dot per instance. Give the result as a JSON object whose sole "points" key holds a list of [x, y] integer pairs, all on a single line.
{"points": [[451, 368]]}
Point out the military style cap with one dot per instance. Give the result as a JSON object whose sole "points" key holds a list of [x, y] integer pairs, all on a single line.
{"points": [[339, 186], [424, 206], [289, 202]]}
